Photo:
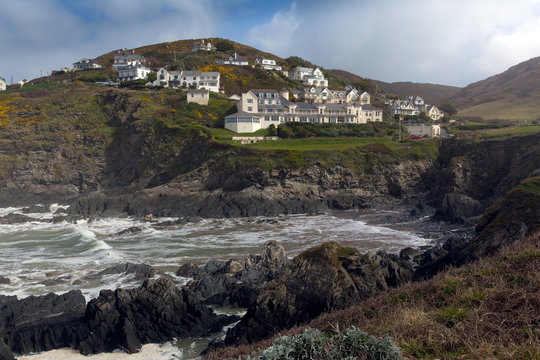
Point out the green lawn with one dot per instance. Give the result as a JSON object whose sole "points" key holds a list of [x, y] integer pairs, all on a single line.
{"points": [[227, 133], [321, 143], [521, 130]]}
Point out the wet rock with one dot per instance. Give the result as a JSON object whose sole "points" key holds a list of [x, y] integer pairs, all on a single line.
{"points": [[324, 278], [140, 271], [236, 282], [4, 280], [155, 312], [40, 323], [15, 219], [5, 352], [130, 230], [36, 209]]}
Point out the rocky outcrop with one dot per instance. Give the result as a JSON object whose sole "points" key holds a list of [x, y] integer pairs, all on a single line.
{"points": [[320, 279], [154, 313], [40, 323], [236, 282], [5, 352], [4, 280], [126, 318], [510, 219]]}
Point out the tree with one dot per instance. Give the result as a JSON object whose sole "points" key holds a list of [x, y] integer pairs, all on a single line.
{"points": [[272, 131], [224, 46], [284, 132], [448, 108], [152, 76]]}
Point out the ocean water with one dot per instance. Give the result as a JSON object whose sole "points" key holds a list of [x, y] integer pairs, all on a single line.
{"points": [[40, 257]]}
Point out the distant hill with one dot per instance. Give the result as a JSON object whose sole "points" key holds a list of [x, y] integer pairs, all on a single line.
{"points": [[433, 93], [513, 94]]}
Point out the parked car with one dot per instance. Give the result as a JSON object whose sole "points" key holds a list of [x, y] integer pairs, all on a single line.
{"points": [[415, 137]]}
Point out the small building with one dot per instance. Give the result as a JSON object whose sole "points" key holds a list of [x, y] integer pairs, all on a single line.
{"points": [[433, 112], [243, 122], [127, 57], [85, 64], [268, 64], [310, 76], [200, 97], [424, 130], [234, 60], [2, 84], [203, 46], [133, 72]]}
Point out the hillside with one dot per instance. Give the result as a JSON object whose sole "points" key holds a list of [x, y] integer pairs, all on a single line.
{"points": [[513, 94], [433, 93]]}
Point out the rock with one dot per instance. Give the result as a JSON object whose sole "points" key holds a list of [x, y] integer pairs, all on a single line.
{"points": [[36, 209], [15, 219], [41, 323], [324, 278], [459, 208], [188, 270], [130, 230], [155, 312], [141, 271], [4, 280], [235, 282], [5, 352]]}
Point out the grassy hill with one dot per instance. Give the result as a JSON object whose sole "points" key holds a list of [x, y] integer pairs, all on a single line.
{"points": [[433, 93], [513, 94]]}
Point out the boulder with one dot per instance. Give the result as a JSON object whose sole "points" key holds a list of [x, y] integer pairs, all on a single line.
{"points": [[5, 352], [4, 280], [40, 323], [141, 271], [236, 282], [460, 208], [321, 279], [153, 313]]}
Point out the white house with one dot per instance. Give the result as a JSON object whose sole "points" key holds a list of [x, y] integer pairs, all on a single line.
{"points": [[268, 64], [424, 130], [85, 64], [258, 109], [200, 97], [310, 76], [208, 80], [132, 72], [401, 107], [416, 100], [2, 84], [234, 60], [127, 57], [433, 112], [203, 46]]}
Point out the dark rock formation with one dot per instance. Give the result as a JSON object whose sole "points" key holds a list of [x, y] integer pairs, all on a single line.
{"points": [[4, 280], [514, 217], [155, 312], [320, 279], [236, 282], [130, 230], [140, 271], [5, 353], [40, 323]]}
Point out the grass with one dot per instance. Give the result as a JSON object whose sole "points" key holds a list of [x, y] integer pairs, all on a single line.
{"points": [[489, 309], [504, 109], [319, 143], [513, 131]]}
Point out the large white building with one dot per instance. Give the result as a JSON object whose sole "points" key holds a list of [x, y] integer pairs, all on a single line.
{"points": [[132, 72], [85, 64], [258, 109], [309, 76], [127, 57], [2, 84], [234, 60], [208, 80]]}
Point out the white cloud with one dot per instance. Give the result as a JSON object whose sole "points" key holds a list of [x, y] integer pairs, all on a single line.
{"points": [[447, 42], [44, 35]]}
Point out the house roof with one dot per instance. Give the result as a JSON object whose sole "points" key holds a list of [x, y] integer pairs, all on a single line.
{"points": [[369, 107], [243, 113], [304, 69]]}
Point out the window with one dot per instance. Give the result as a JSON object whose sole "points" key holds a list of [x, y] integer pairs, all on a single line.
{"points": [[269, 111], [275, 118], [250, 101], [266, 117], [250, 108], [192, 95]]}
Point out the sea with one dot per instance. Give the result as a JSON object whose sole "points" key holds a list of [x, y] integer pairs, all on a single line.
{"points": [[41, 257]]}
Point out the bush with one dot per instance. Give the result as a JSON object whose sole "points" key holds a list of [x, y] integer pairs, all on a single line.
{"points": [[314, 344]]}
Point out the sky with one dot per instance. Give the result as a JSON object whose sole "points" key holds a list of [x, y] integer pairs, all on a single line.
{"points": [[449, 42]]}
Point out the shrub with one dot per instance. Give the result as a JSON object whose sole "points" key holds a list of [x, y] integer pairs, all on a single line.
{"points": [[314, 344]]}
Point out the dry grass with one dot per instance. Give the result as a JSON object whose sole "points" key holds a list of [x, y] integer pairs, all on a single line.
{"points": [[486, 310]]}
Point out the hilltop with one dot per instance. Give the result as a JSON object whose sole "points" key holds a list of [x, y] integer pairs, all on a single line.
{"points": [[432, 93], [512, 94]]}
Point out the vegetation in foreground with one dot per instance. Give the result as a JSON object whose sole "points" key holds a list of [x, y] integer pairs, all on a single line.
{"points": [[489, 309]]}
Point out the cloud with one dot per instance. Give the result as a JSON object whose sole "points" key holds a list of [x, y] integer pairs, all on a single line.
{"points": [[48, 34], [447, 42]]}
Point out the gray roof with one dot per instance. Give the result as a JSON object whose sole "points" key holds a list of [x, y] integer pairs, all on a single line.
{"points": [[243, 113], [198, 91], [305, 106], [191, 73], [369, 107]]}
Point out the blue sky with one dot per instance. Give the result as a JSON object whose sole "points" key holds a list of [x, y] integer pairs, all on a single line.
{"points": [[452, 42]]}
